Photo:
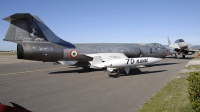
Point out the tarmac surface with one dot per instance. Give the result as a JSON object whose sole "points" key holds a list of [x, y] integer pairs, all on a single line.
{"points": [[44, 87]]}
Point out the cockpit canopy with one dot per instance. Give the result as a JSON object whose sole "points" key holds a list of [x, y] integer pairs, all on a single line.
{"points": [[179, 40], [157, 45]]}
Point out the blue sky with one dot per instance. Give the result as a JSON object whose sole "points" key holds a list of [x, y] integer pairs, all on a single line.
{"points": [[110, 21]]}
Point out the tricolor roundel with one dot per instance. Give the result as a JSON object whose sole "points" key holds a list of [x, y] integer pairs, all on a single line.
{"points": [[73, 54]]}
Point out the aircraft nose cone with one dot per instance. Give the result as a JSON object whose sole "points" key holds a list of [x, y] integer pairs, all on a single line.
{"points": [[154, 60], [159, 59]]}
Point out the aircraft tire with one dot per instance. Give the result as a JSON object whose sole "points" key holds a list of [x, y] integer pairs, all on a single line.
{"points": [[113, 75], [86, 67]]}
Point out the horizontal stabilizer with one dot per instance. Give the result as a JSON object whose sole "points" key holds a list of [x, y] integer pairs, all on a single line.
{"points": [[20, 16]]}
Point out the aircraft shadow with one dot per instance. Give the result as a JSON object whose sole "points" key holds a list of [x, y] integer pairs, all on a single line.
{"points": [[135, 71], [180, 58], [139, 72], [77, 71], [161, 64], [73, 67]]}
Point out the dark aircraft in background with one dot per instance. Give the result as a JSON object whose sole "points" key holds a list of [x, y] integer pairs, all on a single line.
{"points": [[181, 47], [35, 41]]}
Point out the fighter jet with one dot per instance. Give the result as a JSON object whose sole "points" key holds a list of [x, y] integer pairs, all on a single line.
{"points": [[181, 47], [35, 41]]}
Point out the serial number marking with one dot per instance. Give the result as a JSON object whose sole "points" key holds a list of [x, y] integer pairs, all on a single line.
{"points": [[32, 39], [138, 61], [115, 57]]}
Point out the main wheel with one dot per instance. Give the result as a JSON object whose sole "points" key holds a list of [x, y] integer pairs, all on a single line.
{"points": [[113, 75]]}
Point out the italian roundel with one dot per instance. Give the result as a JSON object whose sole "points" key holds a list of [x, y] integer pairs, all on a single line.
{"points": [[73, 54]]}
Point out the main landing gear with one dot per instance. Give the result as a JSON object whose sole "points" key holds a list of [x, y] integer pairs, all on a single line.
{"points": [[113, 74], [116, 72], [177, 56], [183, 56]]}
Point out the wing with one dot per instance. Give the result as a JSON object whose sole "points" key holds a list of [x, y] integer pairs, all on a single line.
{"points": [[189, 45], [192, 51], [96, 59], [114, 62], [108, 56], [174, 45], [99, 58]]}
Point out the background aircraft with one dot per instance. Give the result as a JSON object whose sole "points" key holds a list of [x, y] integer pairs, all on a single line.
{"points": [[35, 41], [181, 47]]}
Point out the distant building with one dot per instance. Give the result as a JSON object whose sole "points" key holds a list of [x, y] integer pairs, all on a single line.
{"points": [[8, 51], [13, 51]]}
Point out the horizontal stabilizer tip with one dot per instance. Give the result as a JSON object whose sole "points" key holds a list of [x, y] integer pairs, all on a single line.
{"points": [[19, 16]]}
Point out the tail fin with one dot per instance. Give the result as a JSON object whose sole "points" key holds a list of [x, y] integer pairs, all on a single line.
{"points": [[168, 41], [25, 27]]}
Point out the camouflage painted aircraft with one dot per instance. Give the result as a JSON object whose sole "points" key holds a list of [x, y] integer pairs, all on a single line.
{"points": [[181, 47], [35, 41]]}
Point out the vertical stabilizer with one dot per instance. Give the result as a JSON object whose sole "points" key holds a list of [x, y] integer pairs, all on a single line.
{"points": [[25, 27], [168, 41]]}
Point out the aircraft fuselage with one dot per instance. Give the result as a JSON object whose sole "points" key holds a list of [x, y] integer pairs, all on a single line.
{"points": [[50, 52]]}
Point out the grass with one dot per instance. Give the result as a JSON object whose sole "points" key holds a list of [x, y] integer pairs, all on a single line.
{"points": [[193, 67], [8, 53], [172, 98], [198, 58]]}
